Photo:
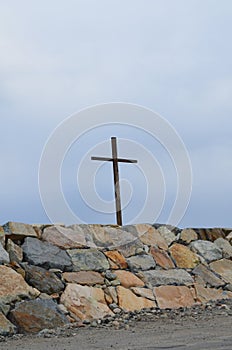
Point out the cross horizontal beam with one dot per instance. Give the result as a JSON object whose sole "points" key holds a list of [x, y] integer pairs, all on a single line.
{"points": [[121, 160]]}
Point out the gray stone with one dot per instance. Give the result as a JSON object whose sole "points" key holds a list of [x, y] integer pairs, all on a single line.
{"points": [[208, 276], [208, 250], [131, 248], [141, 262], [167, 277], [167, 234], [45, 281], [46, 255], [88, 259], [4, 256], [18, 231], [110, 276], [35, 315], [225, 246], [6, 327], [15, 251]]}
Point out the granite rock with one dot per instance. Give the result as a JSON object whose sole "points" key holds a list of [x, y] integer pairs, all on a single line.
{"points": [[208, 276], [225, 247], [204, 295], [128, 301], [65, 237], [4, 256], [173, 297], [45, 254], [167, 277], [18, 231], [15, 251], [85, 302], [88, 259], [208, 250], [183, 256], [141, 262], [188, 235], [128, 279], [223, 268], [35, 315], [162, 258], [89, 278], [43, 280], [167, 234]]}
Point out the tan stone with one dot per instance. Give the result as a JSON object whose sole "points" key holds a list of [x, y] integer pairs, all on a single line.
{"points": [[188, 235], [205, 295], [85, 302], [128, 279], [6, 327], [162, 258], [64, 237], [183, 256], [151, 237], [128, 301], [18, 231], [223, 268], [229, 237], [2, 236], [173, 297], [88, 278], [13, 287], [117, 258], [111, 293], [15, 252], [143, 292]]}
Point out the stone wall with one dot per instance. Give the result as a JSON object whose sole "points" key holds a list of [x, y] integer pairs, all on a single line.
{"points": [[51, 275]]}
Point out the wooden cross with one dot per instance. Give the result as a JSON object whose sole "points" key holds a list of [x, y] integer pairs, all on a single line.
{"points": [[115, 160]]}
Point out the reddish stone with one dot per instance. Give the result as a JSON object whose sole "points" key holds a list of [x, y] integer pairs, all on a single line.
{"points": [[128, 279], [173, 297], [128, 301], [117, 258], [162, 258], [88, 278]]}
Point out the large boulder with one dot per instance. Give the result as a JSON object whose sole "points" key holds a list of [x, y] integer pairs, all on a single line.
{"points": [[208, 250], [208, 276], [128, 301], [18, 231], [183, 256], [173, 297], [85, 302], [46, 255], [45, 281], [13, 287], [225, 246], [162, 258], [88, 259], [35, 315], [65, 237], [167, 277], [141, 262], [223, 268]]}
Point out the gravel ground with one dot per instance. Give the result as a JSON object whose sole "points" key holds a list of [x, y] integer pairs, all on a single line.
{"points": [[197, 328]]}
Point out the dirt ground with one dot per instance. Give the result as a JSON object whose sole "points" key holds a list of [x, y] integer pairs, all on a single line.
{"points": [[193, 332]]}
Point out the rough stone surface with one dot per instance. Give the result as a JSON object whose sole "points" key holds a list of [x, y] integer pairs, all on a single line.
{"points": [[143, 292], [173, 297], [34, 315], [166, 277], [183, 256], [4, 256], [65, 238], [117, 258], [89, 278], [208, 250], [128, 279], [150, 236], [225, 246], [18, 231], [15, 252], [167, 234], [229, 237], [223, 268], [208, 276], [45, 254], [88, 259], [210, 234], [188, 235], [2, 236], [131, 248], [85, 302], [141, 262], [128, 301], [6, 327], [43, 280], [13, 287], [162, 258], [112, 293], [205, 295]]}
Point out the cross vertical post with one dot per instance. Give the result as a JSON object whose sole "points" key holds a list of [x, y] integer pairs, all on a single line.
{"points": [[115, 160], [116, 181]]}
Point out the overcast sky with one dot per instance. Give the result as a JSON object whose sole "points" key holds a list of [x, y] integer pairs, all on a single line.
{"points": [[171, 56]]}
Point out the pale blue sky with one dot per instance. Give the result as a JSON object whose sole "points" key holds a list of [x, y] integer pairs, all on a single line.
{"points": [[172, 56]]}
